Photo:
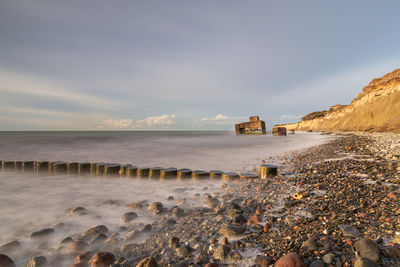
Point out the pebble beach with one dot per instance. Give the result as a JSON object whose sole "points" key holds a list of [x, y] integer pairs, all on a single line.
{"points": [[336, 204]]}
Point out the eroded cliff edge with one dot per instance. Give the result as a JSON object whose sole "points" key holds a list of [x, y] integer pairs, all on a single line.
{"points": [[376, 109]]}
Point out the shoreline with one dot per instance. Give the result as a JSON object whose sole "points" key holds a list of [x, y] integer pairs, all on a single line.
{"points": [[346, 181]]}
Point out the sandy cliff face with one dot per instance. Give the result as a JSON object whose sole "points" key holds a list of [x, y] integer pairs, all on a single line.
{"points": [[376, 109]]}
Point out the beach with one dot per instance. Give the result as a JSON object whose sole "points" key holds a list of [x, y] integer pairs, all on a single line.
{"points": [[330, 204]]}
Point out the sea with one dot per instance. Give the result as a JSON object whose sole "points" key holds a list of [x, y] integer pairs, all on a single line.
{"points": [[30, 202]]}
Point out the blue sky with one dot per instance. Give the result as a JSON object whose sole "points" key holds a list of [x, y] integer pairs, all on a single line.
{"points": [[186, 65]]}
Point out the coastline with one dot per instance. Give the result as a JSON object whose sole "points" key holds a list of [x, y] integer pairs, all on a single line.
{"points": [[351, 180]]}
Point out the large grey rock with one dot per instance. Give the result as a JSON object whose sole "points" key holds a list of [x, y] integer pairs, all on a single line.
{"points": [[365, 262], [368, 249]]}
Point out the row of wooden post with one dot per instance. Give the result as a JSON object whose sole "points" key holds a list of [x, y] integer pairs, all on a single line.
{"points": [[128, 170]]}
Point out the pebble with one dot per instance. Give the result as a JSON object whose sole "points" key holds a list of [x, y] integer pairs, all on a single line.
{"points": [[328, 258], [263, 261], [148, 262], [102, 259], [156, 207], [231, 230], [317, 263], [289, 260], [128, 217], [42, 233], [221, 253], [349, 230], [365, 262]]}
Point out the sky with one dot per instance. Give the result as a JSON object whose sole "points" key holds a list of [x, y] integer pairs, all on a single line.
{"points": [[187, 65]]}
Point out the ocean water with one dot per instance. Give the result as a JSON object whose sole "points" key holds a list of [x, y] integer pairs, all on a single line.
{"points": [[29, 202]]}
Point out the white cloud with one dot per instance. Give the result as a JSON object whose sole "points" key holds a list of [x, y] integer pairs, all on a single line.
{"points": [[219, 117], [115, 124], [128, 123], [162, 120]]}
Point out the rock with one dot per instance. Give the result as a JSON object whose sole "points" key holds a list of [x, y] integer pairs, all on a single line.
{"points": [[10, 246], [136, 205], [146, 228], [263, 261], [129, 216], [212, 264], [253, 220], [132, 234], [239, 219], [317, 263], [102, 259], [231, 230], [176, 211], [221, 253], [211, 202], [267, 227], [99, 239], [289, 260], [83, 258], [368, 249], [328, 258], [148, 262], [173, 241], [183, 252], [392, 251], [396, 240], [365, 262], [5, 261], [392, 195], [349, 230], [95, 231], [37, 261], [224, 241], [67, 240], [78, 211], [309, 245], [42, 233], [156, 207], [236, 256], [76, 247]]}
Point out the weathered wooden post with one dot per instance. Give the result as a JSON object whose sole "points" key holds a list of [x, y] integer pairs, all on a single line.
{"points": [[216, 174], [8, 165], [42, 166], [28, 165], [100, 168], [18, 165], [267, 170], [73, 168], [112, 169], [154, 173], [86, 168], [142, 172], [168, 173], [184, 174], [60, 167], [131, 171], [198, 174], [122, 170], [248, 176], [229, 176]]}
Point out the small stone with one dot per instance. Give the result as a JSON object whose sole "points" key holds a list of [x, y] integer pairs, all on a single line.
{"points": [[349, 230], [67, 240], [156, 207], [102, 259], [231, 230], [183, 252], [177, 212], [263, 261], [78, 211], [392, 195], [309, 245], [239, 219], [392, 251], [212, 264], [396, 240], [224, 241], [267, 228], [94, 231], [76, 247], [328, 258], [129, 216], [82, 258], [236, 256], [289, 260], [37, 261], [253, 220], [368, 249], [42, 233], [148, 262], [6, 261], [173, 241], [365, 262], [221, 253], [137, 205], [211, 202]]}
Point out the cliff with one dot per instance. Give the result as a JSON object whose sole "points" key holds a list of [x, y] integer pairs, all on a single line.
{"points": [[376, 109]]}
